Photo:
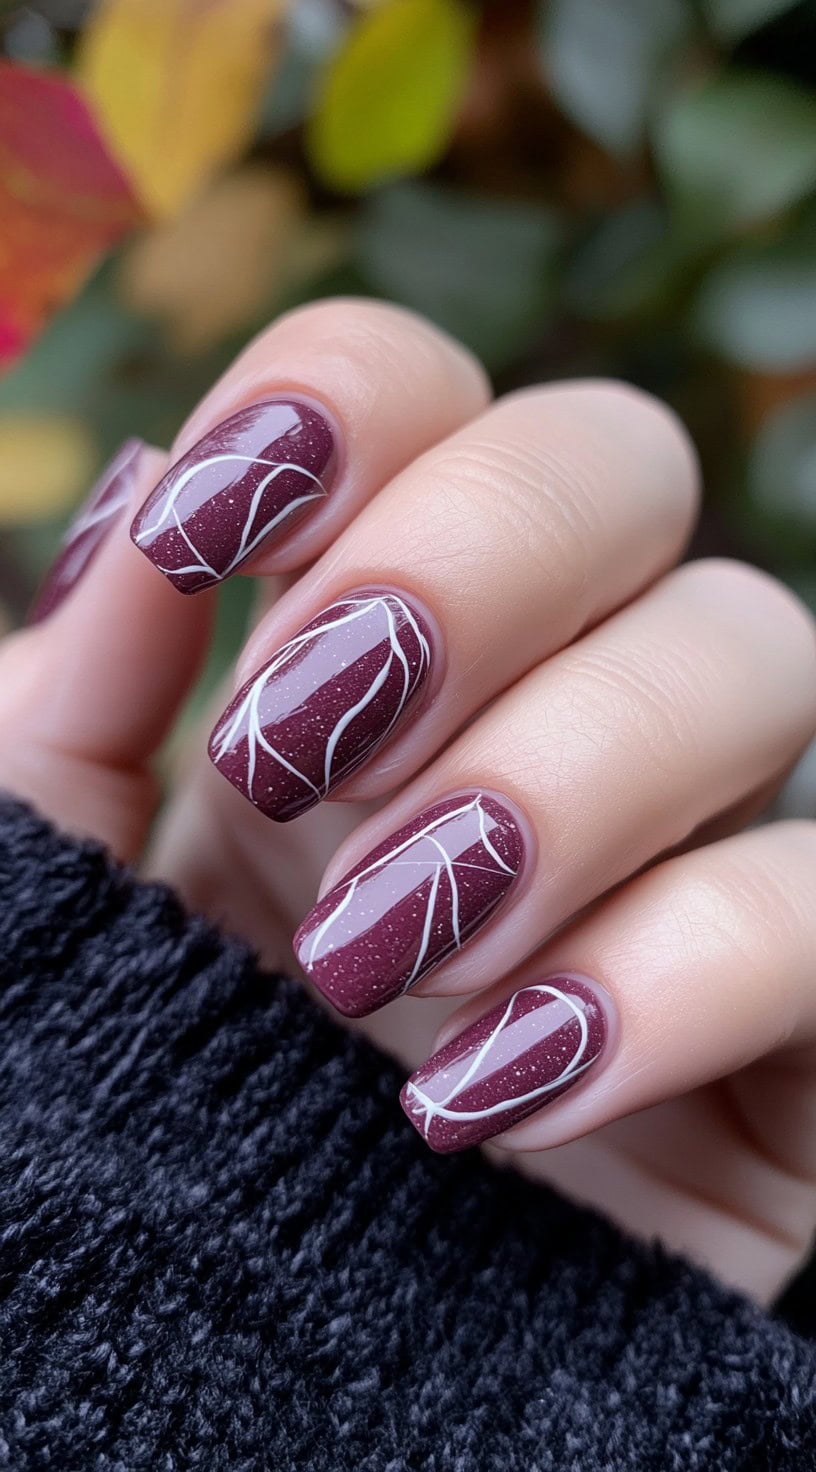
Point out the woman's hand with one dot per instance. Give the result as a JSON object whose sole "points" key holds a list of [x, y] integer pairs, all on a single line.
{"points": [[540, 743]]}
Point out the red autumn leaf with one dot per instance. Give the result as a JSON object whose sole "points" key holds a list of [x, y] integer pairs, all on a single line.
{"points": [[63, 200]]}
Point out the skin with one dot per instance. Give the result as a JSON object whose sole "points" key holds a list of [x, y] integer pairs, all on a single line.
{"points": [[636, 717]]}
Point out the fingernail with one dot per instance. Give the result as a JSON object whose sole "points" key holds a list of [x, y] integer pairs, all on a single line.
{"points": [[411, 902], [245, 484], [518, 1058], [97, 516], [325, 702]]}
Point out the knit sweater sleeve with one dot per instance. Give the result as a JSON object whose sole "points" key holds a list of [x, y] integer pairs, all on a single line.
{"points": [[222, 1247]]}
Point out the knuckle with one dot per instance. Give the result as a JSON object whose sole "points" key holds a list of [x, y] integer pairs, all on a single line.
{"points": [[589, 392], [380, 335], [652, 414], [800, 834], [770, 872], [762, 888], [754, 604], [733, 581], [644, 709], [618, 431], [610, 401], [520, 497]]}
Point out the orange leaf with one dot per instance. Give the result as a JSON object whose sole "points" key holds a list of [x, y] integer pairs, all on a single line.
{"points": [[63, 201]]}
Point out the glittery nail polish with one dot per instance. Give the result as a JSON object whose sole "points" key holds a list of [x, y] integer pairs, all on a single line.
{"points": [[326, 701], [517, 1059], [245, 485], [412, 902]]}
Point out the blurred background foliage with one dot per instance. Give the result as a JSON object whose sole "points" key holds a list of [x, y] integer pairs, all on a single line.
{"points": [[622, 187]]}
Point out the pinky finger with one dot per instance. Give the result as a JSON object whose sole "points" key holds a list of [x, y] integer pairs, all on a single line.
{"points": [[694, 970], [89, 688]]}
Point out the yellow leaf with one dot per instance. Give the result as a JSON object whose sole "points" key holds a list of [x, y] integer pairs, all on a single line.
{"points": [[46, 461], [391, 95], [175, 87], [209, 271], [232, 255]]}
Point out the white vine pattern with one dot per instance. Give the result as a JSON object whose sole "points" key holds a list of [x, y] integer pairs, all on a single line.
{"points": [[430, 1109], [248, 709], [436, 867], [247, 543]]}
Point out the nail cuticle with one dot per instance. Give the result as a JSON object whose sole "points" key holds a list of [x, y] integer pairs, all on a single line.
{"points": [[519, 1058]]}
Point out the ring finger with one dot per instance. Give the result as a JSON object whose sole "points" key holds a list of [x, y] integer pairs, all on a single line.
{"points": [[601, 759]]}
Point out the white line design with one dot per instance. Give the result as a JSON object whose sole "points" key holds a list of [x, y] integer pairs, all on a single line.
{"points": [[109, 499], [248, 710], [427, 1109], [426, 867], [248, 542]]}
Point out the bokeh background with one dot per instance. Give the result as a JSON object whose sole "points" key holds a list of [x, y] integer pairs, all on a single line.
{"points": [[622, 187]]}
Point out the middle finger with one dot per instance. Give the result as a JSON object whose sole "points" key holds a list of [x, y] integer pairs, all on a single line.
{"points": [[492, 551]]}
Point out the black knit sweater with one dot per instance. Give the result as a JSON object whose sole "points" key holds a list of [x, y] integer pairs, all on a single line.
{"points": [[222, 1246]]}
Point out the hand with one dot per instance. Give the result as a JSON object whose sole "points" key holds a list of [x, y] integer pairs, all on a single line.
{"points": [[545, 745]]}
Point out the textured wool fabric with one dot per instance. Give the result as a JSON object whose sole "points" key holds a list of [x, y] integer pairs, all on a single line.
{"points": [[222, 1246]]}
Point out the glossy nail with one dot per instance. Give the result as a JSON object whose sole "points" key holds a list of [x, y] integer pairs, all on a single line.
{"points": [[84, 537], [246, 483], [412, 902], [324, 703], [518, 1058]]}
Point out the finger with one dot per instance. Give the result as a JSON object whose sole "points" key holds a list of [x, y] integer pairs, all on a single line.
{"points": [[603, 758], [525, 527], [305, 427], [699, 968], [88, 691]]}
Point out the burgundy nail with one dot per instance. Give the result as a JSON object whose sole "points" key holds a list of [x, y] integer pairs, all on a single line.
{"points": [[515, 1060], [324, 703], [247, 482], [411, 902], [84, 537]]}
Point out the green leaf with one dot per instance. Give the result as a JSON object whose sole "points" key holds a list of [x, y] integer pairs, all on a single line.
{"points": [[390, 96], [482, 269], [603, 59], [736, 150], [782, 469], [313, 34], [625, 267], [803, 583], [758, 309], [733, 19]]}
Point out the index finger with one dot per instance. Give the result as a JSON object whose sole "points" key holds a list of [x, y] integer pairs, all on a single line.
{"points": [[304, 428]]}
